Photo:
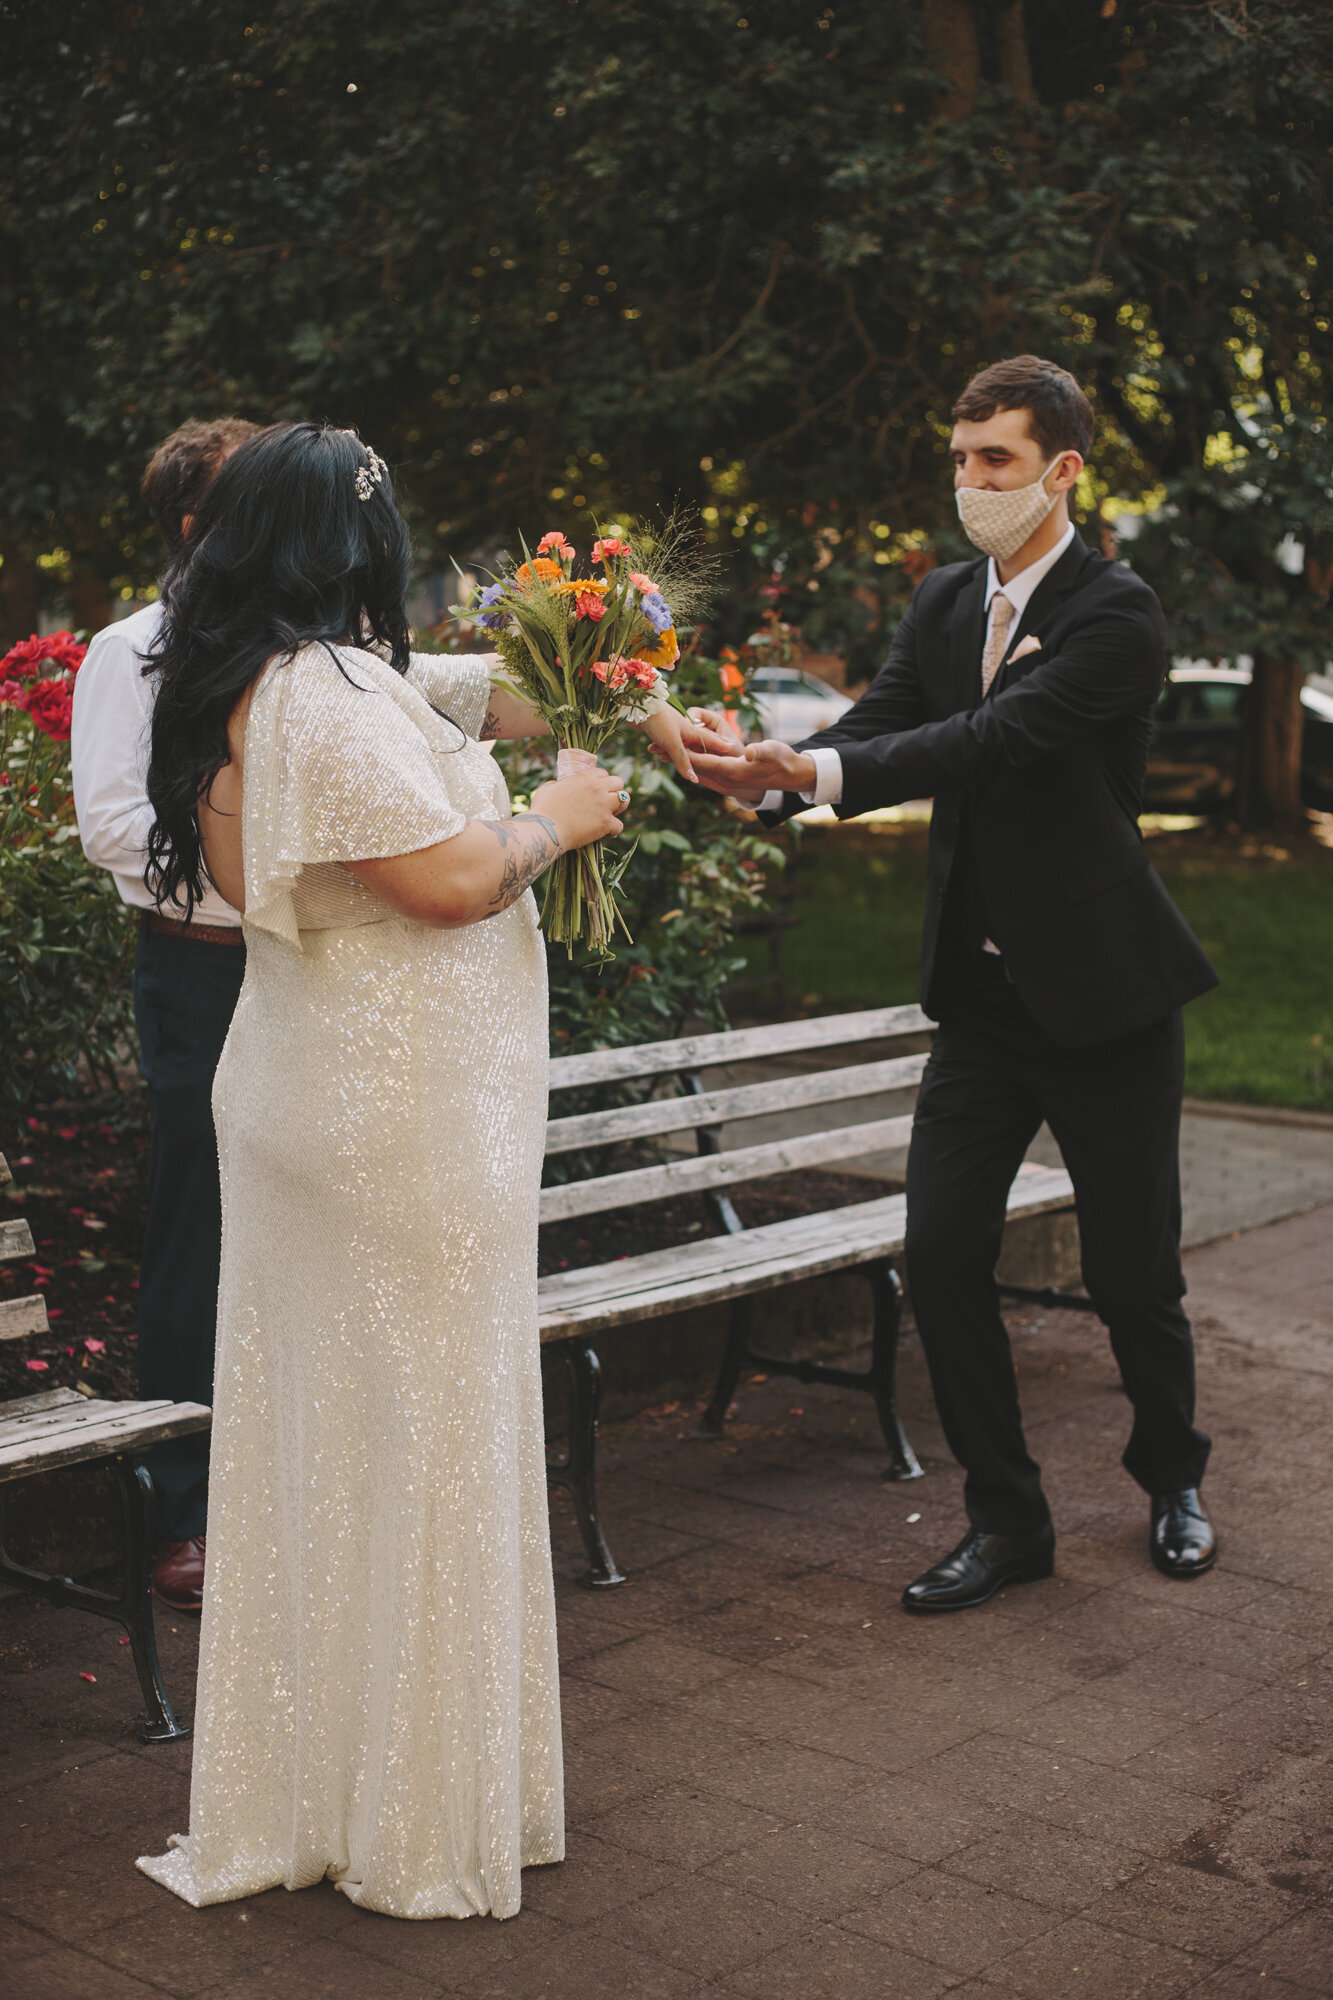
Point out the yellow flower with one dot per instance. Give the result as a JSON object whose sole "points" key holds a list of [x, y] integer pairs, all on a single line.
{"points": [[663, 649], [571, 586]]}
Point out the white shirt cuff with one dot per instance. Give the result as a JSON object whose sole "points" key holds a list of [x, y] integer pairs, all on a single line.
{"points": [[827, 787], [828, 778]]}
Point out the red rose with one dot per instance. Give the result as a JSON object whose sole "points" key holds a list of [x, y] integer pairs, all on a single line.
{"points": [[25, 661], [51, 705]]}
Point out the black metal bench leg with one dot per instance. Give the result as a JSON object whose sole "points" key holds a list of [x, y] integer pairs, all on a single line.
{"points": [[579, 1472], [160, 1724], [887, 1297], [734, 1358]]}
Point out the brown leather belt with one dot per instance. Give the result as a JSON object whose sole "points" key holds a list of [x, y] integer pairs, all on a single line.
{"points": [[199, 933]]}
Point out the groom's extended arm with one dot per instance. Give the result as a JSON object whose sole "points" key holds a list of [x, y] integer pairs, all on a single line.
{"points": [[1110, 666], [893, 701]]}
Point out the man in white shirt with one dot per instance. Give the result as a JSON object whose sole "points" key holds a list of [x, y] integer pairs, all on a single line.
{"points": [[1018, 694], [186, 982]]}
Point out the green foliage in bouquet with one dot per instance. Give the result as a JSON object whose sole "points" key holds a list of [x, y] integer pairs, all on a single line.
{"points": [[697, 873], [65, 936]]}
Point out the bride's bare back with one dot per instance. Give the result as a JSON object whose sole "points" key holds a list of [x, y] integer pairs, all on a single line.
{"points": [[220, 814]]}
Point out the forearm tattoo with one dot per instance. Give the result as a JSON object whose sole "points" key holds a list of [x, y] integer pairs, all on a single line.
{"points": [[490, 728], [530, 845]]}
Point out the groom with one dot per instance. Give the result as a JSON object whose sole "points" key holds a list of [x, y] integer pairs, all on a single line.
{"points": [[1018, 693]]}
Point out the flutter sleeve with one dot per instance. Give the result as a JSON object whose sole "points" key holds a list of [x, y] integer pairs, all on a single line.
{"points": [[457, 684], [336, 770]]}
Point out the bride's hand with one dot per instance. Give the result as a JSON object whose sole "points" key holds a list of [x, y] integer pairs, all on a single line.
{"points": [[582, 808], [675, 736]]}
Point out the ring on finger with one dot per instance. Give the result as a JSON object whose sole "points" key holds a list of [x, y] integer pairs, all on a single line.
{"points": [[623, 797]]}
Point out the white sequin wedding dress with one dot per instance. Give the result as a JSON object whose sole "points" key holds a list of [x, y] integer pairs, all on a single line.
{"points": [[377, 1691]]}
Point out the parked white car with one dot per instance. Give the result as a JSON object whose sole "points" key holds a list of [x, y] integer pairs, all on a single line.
{"points": [[793, 704]]}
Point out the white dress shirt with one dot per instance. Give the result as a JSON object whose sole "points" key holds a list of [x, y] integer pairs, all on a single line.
{"points": [[828, 764], [109, 744]]}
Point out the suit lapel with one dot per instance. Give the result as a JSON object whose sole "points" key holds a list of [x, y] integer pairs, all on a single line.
{"points": [[966, 635], [1057, 583]]}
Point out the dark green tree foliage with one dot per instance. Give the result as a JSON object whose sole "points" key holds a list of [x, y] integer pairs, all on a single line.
{"points": [[565, 256]]}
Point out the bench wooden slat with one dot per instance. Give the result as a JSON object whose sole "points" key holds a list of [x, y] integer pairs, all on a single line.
{"points": [[746, 1163], [16, 1240], [823, 1031], [746, 1100], [45, 1399], [20, 1317], [68, 1436], [5, 1174], [720, 1268]]}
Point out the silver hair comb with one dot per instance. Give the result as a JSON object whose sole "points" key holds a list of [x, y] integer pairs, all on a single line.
{"points": [[368, 477]]}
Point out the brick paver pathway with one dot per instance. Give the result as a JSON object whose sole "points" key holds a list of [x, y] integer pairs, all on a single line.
{"points": [[1107, 1785]]}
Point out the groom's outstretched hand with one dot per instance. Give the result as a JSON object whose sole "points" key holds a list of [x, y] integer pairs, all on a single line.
{"points": [[747, 770]]}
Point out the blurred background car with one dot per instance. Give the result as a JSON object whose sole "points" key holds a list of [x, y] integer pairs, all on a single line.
{"points": [[1193, 757], [793, 704]]}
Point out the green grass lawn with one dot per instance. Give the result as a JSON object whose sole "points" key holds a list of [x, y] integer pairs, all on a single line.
{"points": [[1265, 918]]}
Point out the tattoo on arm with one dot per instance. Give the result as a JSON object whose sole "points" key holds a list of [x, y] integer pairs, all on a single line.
{"points": [[530, 845], [490, 728]]}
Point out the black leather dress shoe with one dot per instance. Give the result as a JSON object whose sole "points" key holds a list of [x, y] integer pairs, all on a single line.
{"points": [[978, 1567], [1182, 1539]]}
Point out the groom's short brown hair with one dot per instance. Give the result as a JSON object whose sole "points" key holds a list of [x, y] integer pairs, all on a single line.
{"points": [[1059, 414], [182, 469]]}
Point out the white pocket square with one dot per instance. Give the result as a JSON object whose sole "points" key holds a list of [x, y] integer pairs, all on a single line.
{"points": [[1032, 644]]}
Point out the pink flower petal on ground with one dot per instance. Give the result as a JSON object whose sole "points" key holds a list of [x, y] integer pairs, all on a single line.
{"points": [[122, 1642], [94, 1346], [26, 1160], [88, 1677], [37, 1367], [67, 1131]]}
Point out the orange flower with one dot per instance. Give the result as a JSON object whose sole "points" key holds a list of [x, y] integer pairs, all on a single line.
{"points": [[541, 570], [570, 586]]}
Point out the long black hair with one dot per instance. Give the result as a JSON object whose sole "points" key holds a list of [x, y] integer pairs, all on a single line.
{"points": [[283, 551]]}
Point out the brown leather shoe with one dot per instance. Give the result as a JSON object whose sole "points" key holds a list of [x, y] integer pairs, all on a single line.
{"points": [[178, 1573]]}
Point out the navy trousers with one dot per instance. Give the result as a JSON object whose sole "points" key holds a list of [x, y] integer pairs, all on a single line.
{"points": [[1114, 1109], [185, 991]]}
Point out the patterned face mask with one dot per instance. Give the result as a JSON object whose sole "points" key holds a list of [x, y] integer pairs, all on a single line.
{"points": [[999, 523]]}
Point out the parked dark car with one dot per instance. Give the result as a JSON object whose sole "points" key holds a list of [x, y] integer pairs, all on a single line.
{"points": [[1196, 743]]}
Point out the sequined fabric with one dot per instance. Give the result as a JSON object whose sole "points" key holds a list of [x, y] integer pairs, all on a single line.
{"points": [[377, 1692]]}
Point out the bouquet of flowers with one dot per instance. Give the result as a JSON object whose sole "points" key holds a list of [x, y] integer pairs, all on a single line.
{"points": [[585, 651]]}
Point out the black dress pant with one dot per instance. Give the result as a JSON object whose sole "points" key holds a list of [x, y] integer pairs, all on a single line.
{"points": [[185, 991], [1114, 1109]]}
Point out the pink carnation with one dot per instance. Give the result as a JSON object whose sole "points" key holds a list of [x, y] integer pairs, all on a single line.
{"points": [[589, 605], [643, 583], [555, 540], [619, 673], [606, 547]]}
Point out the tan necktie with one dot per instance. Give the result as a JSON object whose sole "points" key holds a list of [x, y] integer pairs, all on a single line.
{"points": [[997, 638]]}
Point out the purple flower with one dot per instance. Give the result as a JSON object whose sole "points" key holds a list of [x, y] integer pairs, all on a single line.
{"points": [[657, 611], [492, 620]]}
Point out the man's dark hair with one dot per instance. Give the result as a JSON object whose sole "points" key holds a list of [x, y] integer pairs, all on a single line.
{"points": [[181, 470], [1059, 414]]}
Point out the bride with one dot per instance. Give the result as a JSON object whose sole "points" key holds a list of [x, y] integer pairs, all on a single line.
{"points": [[377, 1695]]}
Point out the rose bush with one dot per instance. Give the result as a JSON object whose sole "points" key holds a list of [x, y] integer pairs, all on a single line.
{"points": [[65, 935]]}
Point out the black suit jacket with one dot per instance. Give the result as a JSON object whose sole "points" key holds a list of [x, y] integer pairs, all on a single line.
{"points": [[1037, 788]]}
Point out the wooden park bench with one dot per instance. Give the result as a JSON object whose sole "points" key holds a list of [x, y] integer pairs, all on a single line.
{"points": [[62, 1427], [737, 1264]]}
